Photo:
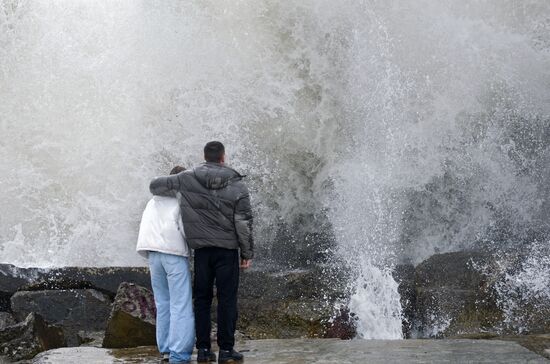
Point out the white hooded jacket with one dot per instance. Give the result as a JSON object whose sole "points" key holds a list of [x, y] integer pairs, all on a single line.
{"points": [[161, 228]]}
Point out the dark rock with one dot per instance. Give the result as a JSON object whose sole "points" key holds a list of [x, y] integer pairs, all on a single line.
{"points": [[109, 279], [305, 241], [74, 310], [6, 319], [5, 303], [455, 297], [318, 283], [288, 305], [91, 338], [259, 319], [53, 283], [29, 337], [11, 279], [106, 280], [526, 311], [458, 270], [132, 319], [404, 275], [272, 304], [470, 294], [343, 326]]}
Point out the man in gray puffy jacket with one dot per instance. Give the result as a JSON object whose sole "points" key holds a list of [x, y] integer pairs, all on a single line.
{"points": [[217, 220]]}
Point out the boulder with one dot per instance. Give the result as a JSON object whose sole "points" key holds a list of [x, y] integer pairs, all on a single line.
{"points": [[91, 338], [11, 279], [106, 280], [259, 319], [29, 337], [6, 319], [528, 315], [404, 275], [343, 326], [524, 299], [5, 302], [288, 305], [73, 310], [132, 319], [455, 297]]}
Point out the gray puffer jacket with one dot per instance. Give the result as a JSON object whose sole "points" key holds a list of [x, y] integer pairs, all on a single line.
{"points": [[215, 207]]}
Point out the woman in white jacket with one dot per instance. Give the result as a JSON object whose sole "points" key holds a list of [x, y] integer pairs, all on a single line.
{"points": [[162, 240]]}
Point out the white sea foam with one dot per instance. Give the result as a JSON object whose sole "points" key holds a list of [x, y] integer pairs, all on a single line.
{"points": [[376, 302]]}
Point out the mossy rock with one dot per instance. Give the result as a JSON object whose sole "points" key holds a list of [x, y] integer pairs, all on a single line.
{"points": [[132, 320], [454, 297]]}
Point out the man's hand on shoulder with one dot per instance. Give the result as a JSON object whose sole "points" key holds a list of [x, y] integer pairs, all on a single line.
{"points": [[246, 263]]}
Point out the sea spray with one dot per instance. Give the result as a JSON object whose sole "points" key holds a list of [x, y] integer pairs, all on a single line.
{"points": [[525, 289], [376, 303]]}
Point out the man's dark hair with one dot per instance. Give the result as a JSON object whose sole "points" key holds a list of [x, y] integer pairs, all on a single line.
{"points": [[213, 152], [177, 169]]}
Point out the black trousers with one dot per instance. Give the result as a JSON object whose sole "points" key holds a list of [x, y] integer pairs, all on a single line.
{"points": [[220, 265]]}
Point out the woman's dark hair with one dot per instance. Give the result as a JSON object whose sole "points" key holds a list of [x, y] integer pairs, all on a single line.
{"points": [[177, 169], [213, 152]]}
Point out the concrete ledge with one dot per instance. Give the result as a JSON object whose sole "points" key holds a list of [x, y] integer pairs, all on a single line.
{"points": [[302, 351]]}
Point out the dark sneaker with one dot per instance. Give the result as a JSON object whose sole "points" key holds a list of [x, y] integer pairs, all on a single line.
{"points": [[205, 355], [164, 357], [230, 356]]}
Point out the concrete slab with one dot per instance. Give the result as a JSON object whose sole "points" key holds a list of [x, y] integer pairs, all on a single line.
{"points": [[382, 351], [327, 351]]}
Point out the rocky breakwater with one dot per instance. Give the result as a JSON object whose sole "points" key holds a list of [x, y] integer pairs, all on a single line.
{"points": [[132, 319], [294, 304], [114, 307], [455, 297], [42, 309], [460, 294], [446, 296]]}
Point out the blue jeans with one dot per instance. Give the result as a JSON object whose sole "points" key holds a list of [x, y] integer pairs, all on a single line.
{"points": [[171, 282]]}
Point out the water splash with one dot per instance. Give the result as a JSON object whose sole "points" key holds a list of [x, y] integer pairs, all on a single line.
{"points": [[376, 302], [524, 290]]}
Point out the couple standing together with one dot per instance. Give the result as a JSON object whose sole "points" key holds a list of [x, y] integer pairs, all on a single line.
{"points": [[208, 210]]}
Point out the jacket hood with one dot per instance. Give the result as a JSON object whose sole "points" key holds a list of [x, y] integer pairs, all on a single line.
{"points": [[215, 176]]}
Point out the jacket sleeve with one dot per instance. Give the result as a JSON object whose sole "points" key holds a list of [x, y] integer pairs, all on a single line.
{"points": [[165, 186], [243, 226]]}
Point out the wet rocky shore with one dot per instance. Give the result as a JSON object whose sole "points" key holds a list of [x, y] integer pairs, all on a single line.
{"points": [[104, 311]]}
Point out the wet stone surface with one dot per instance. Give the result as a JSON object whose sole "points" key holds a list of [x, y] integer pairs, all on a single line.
{"points": [[6, 319], [27, 338], [298, 351]]}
